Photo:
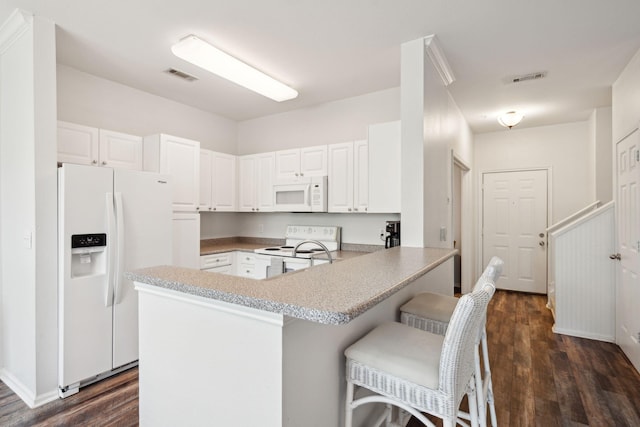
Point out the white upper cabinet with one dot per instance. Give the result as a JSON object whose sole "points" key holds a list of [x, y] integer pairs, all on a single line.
{"points": [[384, 167], [217, 181], [91, 146], [223, 197], [255, 177], [361, 176], [179, 158], [348, 179], [205, 180], [301, 162], [119, 150]]}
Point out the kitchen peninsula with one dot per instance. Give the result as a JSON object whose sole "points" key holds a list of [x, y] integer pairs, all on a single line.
{"points": [[225, 350]]}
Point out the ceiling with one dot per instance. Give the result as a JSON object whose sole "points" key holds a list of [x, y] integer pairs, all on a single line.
{"points": [[336, 49]]}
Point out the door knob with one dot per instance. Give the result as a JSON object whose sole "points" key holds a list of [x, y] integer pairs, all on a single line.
{"points": [[615, 256]]}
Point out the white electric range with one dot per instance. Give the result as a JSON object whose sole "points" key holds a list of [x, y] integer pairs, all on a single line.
{"points": [[279, 259]]}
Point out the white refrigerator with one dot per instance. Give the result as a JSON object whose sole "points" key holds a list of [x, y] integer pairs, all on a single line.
{"points": [[109, 221]]}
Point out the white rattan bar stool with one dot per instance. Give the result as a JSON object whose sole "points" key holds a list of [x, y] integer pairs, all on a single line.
{"points": [[418, 371], [432, 312]]}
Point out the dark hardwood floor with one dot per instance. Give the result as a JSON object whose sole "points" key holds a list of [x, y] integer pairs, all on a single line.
{"points": [[540, 379]]}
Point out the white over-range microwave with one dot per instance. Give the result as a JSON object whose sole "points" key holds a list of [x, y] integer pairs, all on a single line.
{"points": [[305, 194]]}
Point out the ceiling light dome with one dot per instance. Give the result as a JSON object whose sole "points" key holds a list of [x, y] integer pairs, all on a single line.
{"points": [[510, 119]]}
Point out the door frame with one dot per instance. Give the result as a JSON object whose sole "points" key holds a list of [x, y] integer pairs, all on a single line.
{"points": [[480, 237], [466, 221]]}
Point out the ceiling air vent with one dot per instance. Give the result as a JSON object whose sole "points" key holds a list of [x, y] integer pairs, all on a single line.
{"points": [[181, 74], [526, 77]]}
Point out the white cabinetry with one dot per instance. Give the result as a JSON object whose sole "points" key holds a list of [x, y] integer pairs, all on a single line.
{"points": [[255, 179], [384, 167], [308, 161], [218, 263], [186, 240], [91, 146], [180, 158], [348, 177], [246, 264], [217, 181]]}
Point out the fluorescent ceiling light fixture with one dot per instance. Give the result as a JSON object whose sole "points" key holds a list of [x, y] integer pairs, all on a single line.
{"points": [[200, 53], [510, 119]]}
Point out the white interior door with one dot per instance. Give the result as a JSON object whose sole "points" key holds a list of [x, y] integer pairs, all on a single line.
{"points": [[628, 201], [514, 223]]}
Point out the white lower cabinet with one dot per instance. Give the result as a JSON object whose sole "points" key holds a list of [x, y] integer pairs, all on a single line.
{"points": [[218, 263], [246, 265], [186, 240]]}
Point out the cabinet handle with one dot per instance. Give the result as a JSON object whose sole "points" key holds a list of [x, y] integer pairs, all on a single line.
{"points": [[257, 209], [253, 209], [355, 209], [296, 173], [95, 162], [349, 209], [301, 174], [214, 209], [104, 163]]}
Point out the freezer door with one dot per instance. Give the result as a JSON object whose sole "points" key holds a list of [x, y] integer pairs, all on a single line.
{"points": [[84, 299], [144, 235]]}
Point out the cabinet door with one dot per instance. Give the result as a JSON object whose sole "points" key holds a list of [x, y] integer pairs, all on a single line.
{"points": [[313, 161], [205, 180], [340, 177], [265, 168], [180, 158], [77, 144], [224, 182], [120, 150], [247, 183], [384, 167], [186, 240], [360, 176], [287, 164]]}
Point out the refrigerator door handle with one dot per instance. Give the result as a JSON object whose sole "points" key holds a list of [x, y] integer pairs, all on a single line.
{"points": [[117, 296], [111, 225]]}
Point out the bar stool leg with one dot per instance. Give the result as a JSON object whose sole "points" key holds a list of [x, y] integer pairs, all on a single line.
{"points": [[348, 410], [480, 397], [487, 383]]}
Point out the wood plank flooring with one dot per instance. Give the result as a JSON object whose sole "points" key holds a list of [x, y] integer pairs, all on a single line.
{"points": [[540, 379]]}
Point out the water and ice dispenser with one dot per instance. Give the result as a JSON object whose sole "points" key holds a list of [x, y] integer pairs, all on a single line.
{"points": [[88, 254]]}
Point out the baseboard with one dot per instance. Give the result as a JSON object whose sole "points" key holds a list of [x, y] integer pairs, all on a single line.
{"points": [[583, 334], [24, 392]]}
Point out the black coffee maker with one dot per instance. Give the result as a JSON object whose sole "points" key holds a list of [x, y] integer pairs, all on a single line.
{"points": [[393, 238]]}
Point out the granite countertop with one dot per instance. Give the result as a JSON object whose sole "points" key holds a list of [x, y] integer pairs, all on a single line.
{"points": [[329, 293]]}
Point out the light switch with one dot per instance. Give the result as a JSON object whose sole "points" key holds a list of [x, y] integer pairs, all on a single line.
{"points": [[27, 239]]}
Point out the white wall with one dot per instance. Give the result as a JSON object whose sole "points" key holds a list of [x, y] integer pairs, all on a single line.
{"points": [[602, 156], [565, 148], [626, 100], [356, 228], [93, 101], [329, 123], [28, 220]]}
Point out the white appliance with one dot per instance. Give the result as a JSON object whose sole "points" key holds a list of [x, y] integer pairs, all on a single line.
{"points": [[109, 221], [276, 260], [305, 194]]}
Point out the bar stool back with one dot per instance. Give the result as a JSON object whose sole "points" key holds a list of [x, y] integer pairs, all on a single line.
{"points": [[419, 371], [432, 312]]}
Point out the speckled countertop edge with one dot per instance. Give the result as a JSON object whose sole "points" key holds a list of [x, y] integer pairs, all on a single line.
{"points": [[330, 293]]}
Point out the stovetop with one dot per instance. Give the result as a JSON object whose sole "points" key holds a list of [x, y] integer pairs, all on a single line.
{"points": [[327, 235]]}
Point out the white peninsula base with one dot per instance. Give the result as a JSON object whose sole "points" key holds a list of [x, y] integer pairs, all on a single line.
{"points": [[208, 362]]}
